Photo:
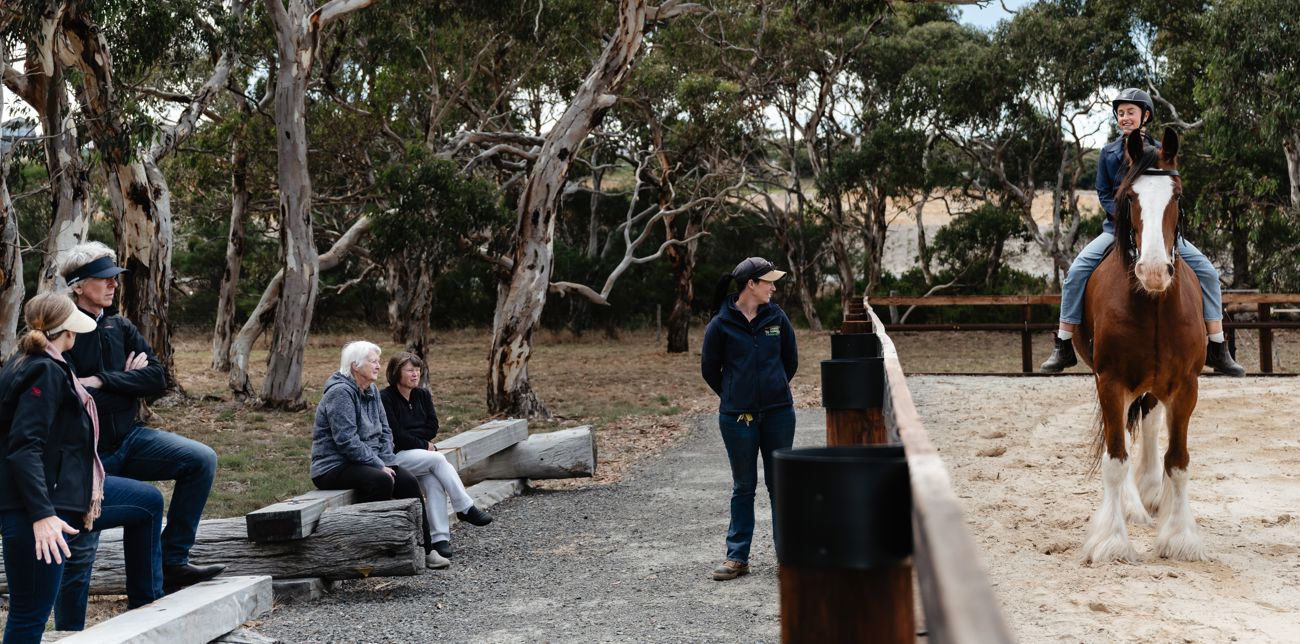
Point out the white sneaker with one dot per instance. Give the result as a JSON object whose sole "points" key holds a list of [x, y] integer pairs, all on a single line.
{"points": [[435, 561]]}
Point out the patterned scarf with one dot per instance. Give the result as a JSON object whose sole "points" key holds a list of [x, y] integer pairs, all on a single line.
{"points": [[97, 491]]}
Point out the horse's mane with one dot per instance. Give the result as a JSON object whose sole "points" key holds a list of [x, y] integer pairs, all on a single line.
{"points": [[1123, 199]]}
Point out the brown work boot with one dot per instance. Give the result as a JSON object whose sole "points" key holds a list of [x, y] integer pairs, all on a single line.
{"points": [[1220, 360], [1062, 357], [730, 570]]}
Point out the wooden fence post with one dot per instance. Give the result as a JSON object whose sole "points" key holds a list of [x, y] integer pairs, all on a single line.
{"points": [[843, 522]]}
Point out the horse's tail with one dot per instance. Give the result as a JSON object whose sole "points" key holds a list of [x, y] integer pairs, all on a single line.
{"points": [[1136, 412]]}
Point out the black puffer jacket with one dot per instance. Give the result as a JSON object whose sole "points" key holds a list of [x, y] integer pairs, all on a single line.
{"points": [[46, 438], [102, 353]]}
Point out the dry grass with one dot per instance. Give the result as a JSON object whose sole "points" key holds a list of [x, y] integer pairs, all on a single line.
{"points": [[635, 395]]}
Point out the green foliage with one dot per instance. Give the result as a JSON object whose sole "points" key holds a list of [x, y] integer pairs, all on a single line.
{"points": [[425, 204], [967, 244]]}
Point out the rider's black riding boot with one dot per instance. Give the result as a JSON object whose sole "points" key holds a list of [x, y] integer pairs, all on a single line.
{"points": [[1062, 357], [1218, 359]]}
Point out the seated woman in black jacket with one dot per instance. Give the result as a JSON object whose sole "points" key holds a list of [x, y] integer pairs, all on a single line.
{"points": [[51, 480], [414, 422]]}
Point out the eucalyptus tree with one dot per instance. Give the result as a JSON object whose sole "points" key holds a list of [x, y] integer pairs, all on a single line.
{"points": [[299, 27], [1013, 101], [152, 43], [12, 289], [42, 87], [520, 304]]}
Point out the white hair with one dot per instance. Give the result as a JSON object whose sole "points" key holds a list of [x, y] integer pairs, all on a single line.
{"points": [[83, 254], [355, 354]]}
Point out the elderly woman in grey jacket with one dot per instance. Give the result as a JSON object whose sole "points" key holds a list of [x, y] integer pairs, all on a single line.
{"points": [[352, 446]]}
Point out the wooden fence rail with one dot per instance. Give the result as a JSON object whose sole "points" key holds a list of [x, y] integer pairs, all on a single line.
{"points": [[1261, 303], [957, 599]]}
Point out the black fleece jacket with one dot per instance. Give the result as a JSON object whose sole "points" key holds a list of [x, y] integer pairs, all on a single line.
{"points": [[102, 353], [414, 422], [749, 363], [46, 438]]}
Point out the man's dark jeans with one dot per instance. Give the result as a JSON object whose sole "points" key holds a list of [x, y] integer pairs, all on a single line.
{"points": [[146, 454]]}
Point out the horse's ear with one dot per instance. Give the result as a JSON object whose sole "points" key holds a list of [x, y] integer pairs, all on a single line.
{"points": [[1169, 145], [1134, 146]]}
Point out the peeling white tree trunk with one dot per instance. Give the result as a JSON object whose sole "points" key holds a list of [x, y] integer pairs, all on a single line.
{"points": [[264, 313], [297, 36], [1291, 147], [11, 258], [410, 300], [223, 332], [137, 188], [520, 304], [42, 87]]}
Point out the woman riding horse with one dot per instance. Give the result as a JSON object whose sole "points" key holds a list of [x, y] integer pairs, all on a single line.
{"points": [[1143, 315]]}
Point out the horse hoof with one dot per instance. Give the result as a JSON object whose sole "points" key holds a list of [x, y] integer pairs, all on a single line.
{"points": [[1109, 551], [1182, 548]]}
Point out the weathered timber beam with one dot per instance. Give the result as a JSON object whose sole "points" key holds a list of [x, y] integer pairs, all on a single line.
{"points": [[473, 446], [379, 539], [295, 518], [197, 614], [567, 453]]}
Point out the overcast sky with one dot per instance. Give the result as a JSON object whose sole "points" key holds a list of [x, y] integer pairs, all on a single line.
{"points": [[988, 15]]}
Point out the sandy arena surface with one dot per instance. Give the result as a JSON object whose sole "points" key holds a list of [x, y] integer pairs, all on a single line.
{"points": [[1018, 450]]}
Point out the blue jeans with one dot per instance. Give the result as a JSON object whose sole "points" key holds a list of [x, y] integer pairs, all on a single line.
{"points": [[146, 454], [768, 431], [1088, 259], [33, 585]]}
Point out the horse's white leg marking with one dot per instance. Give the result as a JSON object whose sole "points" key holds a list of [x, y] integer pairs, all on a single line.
{"points": [[1107, 538], [1149, 470], [1177, 537], [1134, 511]]}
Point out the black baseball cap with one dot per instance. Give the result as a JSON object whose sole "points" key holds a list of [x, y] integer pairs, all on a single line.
{"points": [[756, 268], [102, 268]]}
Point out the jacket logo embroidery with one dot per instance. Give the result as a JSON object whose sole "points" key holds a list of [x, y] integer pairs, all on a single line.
{"points": [[773, 330], [36, 391]]}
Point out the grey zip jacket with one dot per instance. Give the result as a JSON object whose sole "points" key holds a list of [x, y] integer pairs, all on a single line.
{"points": [[350, 428]]}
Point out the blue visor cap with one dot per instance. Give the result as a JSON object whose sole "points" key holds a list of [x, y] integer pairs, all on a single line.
{"points": [[102, 268]]}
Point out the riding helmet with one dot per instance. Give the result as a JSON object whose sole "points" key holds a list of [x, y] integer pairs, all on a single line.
{"points": [[1137, 97]]}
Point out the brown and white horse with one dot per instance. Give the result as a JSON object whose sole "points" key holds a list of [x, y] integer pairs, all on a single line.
{"points": [[1142, 310]]}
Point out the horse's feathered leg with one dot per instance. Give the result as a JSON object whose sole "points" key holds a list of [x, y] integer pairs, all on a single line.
{"points": [[1177, 537], [1107, 538], [1148, 472]]}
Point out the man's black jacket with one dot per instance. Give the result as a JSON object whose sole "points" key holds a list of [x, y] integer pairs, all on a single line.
{"points": [[102, 353], [46, 438]]}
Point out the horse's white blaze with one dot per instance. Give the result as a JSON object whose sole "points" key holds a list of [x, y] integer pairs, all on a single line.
{"points": [[1107, 538], [1177, 537], [1149, 472], [1154, 194]]}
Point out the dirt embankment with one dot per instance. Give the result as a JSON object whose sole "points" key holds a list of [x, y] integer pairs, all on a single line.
{"points": [[1019, 454]]}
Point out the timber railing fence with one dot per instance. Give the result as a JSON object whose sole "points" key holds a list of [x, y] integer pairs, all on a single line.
{"points": [[1262, 305]]}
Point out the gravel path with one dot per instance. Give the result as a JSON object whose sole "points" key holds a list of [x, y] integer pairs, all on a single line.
{"points": [[622, 563]]}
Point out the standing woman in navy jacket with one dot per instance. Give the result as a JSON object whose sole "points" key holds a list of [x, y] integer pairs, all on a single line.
{"points": [[748, 359], [51, 481]]}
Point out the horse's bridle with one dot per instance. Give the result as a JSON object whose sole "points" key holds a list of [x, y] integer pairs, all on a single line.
{"points": [[1178, 230]]}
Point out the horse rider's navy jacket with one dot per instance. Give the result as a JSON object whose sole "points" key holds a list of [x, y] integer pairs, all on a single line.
{"points": [[1110, 172], [102, 353], [749, 364], [46, 439]]}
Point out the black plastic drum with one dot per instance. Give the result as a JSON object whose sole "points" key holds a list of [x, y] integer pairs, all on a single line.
{"points": [[843, 508]]}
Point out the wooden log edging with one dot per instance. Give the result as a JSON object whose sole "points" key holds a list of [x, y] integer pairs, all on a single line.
{"points": [[566, 453], [958, 600], [476, 445]]}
